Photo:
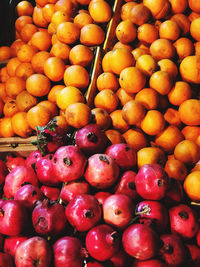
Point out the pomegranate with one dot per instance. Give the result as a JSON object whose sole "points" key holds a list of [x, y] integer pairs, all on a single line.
{"points": [[13, 218], [94, 263], [68, 252], [152, 182], [198, 237], [173, 251], [1, 242], [49, 218], [6, 260], [101, 196], [126, 185], [149, 209], [123, 154], [102, 171], [18, 177], [13, 161], [45, 172], [52, 193], [69, 163], [174, 195], [149, 263], [11, 243], [183, 221], [83, 212], [3, 171], [102, 242], [71, 189], [28, 195], [121, 259], [140, 241], [194, 252], [90, 139], [118, 210], [34, 251], [33, 158]]}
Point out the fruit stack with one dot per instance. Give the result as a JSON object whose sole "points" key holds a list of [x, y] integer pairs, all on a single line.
{"points": [[115, 179]]}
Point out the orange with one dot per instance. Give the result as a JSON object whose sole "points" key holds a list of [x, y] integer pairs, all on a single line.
{"points": [[20, 125], [189, 111], [54, 91], [41, 40], [194, 5], [64, 5], [26, 52], [107, 100], [132, 79], [191, 132], [194, 29], [91, 35], [192, 185], [59, 17], [189, 69], [5, 53], [126, 10], [180, 92], [123, 96], [54, 68], [38, 116], [76, 76], [162, 48], [13, 63], [82, 19], [38, 61], [135, 138], [126, 31], [106, 62], [21, 21], [169, 138], [6, 129], [67, 96], [101, 118], [68, 32], [61, 122], [81, 55], [48, 11], [147, 33], [150, 155], [100, 11], [83, 2], [25, 101], [4, 76], [24, 8], [38, 17], [14, 86], [133, 112], [121, 45], [187, 151], [27, 32], [170, 30], [171, 116], [2, 91], [176, 169], [41, 3], [107, 80], [24, 70], [1, 107], [15, 46], [60, 50], [161, 81], [118, 122], [197, 48], [52, 108], [137, 52], [184, 47], [114, 136], [10, 108], [178, 6], [153, 122], [38, 85], [169, 66], [119, 59], [158, 8], [147, 64], [139, 14], [148, 97], [183, 23], [78, 115]]}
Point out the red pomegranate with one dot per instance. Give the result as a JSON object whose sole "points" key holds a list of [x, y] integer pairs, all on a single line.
{"points": [[11, 243]]}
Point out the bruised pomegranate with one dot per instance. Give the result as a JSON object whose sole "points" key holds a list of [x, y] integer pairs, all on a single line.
{"points": [[52, 193], [18, 177], [11, 243], [123, 154], [49, 218], [68, 252], [13, 161], [90, 139], [3, 171], [118, 210], [34, 251], [83, 212], [102, 242], [6, 260], [69, 163], [140, 241], [183, 221], [33, 158], [155, 211], [102, 171], [152, 182]]}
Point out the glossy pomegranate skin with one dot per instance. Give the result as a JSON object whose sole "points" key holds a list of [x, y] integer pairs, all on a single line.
{"points": [[11, 243], [102, 171], [68, 252], [123, 154], [152, 182], [102, 242], [3, 171], [90, 139], [101, 196], [33, 158], [13, 161], [149, 263], [69, 163], [34, 251], [13, 218], [140, 241], [52, 193], [154, 210], [83, 212], [6, 260], [49, 218], [18, 177], [183, 221], [118, 210]]}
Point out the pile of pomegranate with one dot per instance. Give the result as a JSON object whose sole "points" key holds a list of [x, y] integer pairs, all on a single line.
{"points": [[87, 204]]}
